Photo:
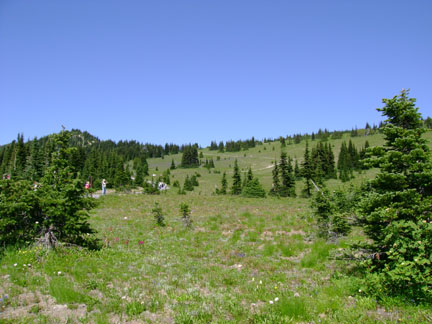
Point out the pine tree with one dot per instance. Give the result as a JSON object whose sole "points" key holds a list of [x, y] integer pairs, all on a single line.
{"points": [[297, 172], [224, 186], [190, 157], [275, 190], [139, 177], [287, 177], [395, 210], [236, 187], [307, 172], [188, 185], [173, 166], [63, 202], [20, 157], [221, 148], [253, 189]]}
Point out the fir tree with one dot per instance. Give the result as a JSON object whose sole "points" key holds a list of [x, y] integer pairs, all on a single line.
{"points": [[307, 172], [395, 210], [287, 188], [276, 182], [253, 189], [190, 157], [173, 166], [297, 172], [188, 185], [224, 185], [139, 177], [236, 187], [63, 202]]}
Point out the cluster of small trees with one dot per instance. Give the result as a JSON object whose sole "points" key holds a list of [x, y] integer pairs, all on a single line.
{"points": [[92, 159], [248, 187], [349, 160], [283, 178], [190, 157]]}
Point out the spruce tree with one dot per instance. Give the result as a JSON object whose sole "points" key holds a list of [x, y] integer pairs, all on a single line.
{"points": [[173, 166], [63, 201], [236, 187], [307, 172], [275, 190], [395, 210], [287, 177]]}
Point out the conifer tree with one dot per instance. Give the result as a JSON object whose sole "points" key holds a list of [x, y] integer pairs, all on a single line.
{"points": [[221, 147], [307, 172], [236, 187], [274, 191], [173, 166], [297, 172], [139, 177], [20, 157], [211, 163], [63, 202], [395, 210], [287, 177], [224, 186], [188, 185]]}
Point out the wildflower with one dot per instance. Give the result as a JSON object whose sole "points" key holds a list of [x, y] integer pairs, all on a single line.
{"points": [[360, 290], [271, 301], [276, 299], [116, 239], [253, 279], [36, 222], [125, 217], [59, 273], [15, 264], [141, 242], [127, 242], [260, 282], [123, 297], [275, 287]]}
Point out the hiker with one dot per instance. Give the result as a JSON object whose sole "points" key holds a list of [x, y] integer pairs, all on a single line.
{"points": [[104, 184]]}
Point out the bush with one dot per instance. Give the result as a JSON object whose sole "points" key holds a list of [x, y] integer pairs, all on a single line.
{"points": [[253, 189], [158, 215], [331, 220], [185, 212]]}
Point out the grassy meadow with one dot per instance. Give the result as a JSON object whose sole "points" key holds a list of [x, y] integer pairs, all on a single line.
{"points": [[244, 260]]}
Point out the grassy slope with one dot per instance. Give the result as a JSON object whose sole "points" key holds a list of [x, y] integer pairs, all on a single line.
{"points": [[240, 255]]}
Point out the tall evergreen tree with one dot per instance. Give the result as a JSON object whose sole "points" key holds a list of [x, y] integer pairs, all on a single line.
{"points": [[224, 185], [287, 177], [276, 181], [307, 172], [236, 187], [396, 208], [173, 166]]}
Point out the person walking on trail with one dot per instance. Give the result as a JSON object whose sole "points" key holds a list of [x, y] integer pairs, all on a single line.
{"points": [[104, 183]]}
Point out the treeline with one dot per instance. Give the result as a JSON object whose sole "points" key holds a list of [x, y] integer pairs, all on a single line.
{"points": [[91, 159], [233, 146]]}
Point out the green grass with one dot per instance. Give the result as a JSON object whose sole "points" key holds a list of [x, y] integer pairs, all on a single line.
{"points": [[240, 254]]}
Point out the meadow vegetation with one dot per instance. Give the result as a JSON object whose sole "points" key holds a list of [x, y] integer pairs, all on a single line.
{"points": [[208, 256]]}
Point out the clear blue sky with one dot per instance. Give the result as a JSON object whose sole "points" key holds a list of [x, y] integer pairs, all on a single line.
{"points": [[199, 70]]}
